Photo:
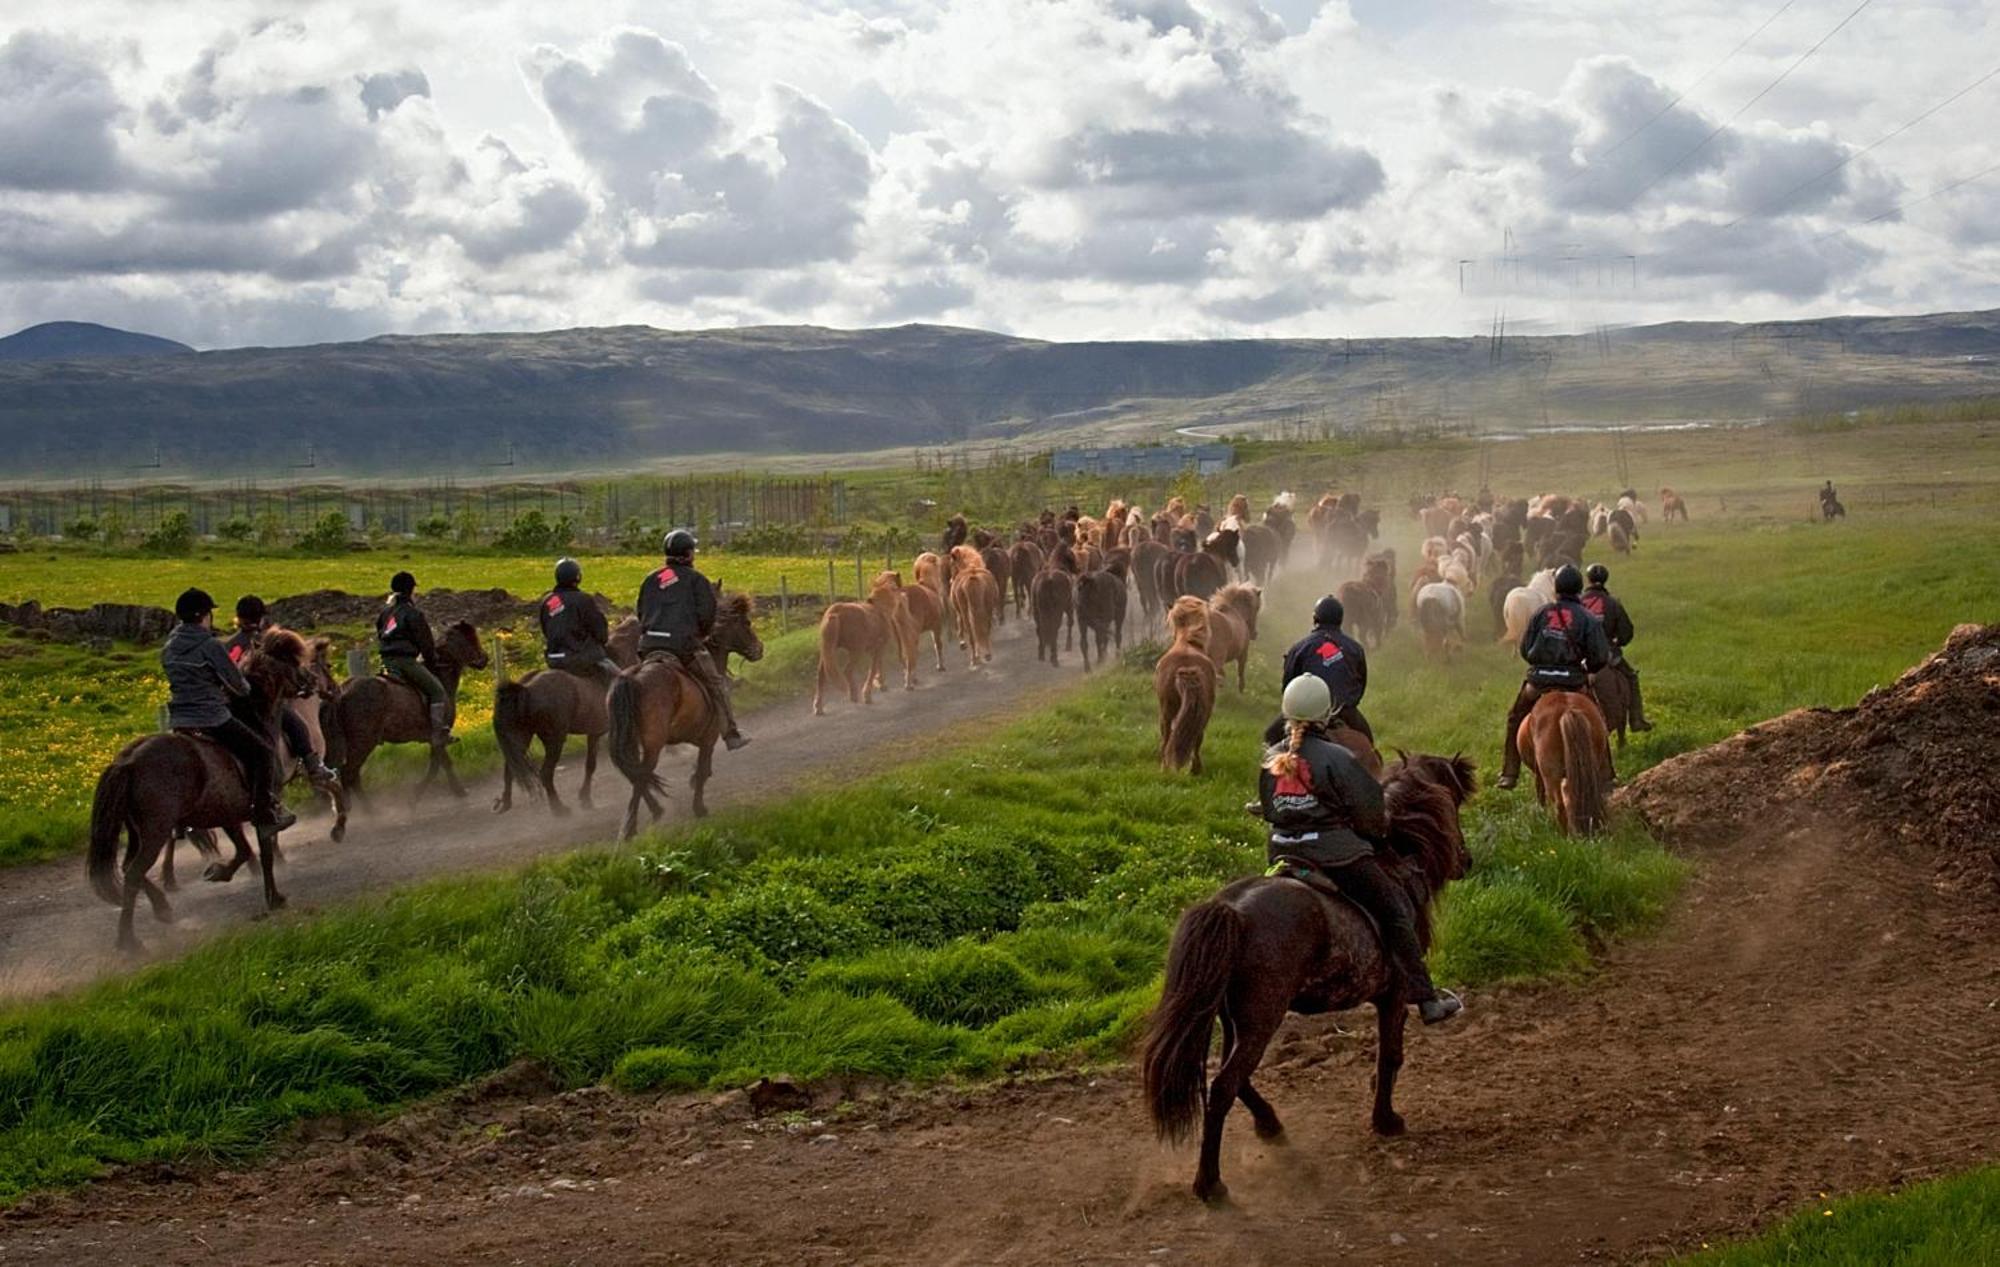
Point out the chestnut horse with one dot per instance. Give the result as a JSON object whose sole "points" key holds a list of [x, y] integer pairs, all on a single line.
{"points": [[1564, 745], [162, 783], [861, 632], [1184, 682], [371, 711], [1272, 944], [1364, 612], [1232, 627], [551, 705], [659, 702], [975, 601]]}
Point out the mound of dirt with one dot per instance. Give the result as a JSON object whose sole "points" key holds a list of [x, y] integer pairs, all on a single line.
{"points": [[484, 608], [1912, 768]]}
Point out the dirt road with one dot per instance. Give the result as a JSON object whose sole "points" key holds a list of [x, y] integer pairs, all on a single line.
{"points": [[1805, 1023], [56, 934]]}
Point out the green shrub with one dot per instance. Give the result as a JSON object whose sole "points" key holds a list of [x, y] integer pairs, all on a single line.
{"points": [[433, 528], [661, 1069], [965, 983], [174, 534], [329, 534], [1503, 931], [82, 528], [236, 528], [534, 532]]}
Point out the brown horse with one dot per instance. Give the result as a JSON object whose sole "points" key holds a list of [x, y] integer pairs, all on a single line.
{"points": [[1100, 606], [1672, 506], [1024, 563], [1564, 745], [975, 599], [163, 783], [1272, 944], [659, 702], [888, 595], [371, 711], [1053, 603], [860, 632], [1000, 564], [1146, 557], [1613, 693], [551, 705], [1184, 682], [1364, 612], [1232, 627]]}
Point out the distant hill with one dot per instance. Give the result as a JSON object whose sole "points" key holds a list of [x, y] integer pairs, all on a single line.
{"points": [[83, 341], [634, 397]]}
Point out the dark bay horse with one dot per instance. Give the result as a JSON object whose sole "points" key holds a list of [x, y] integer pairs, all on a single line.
{"points": [[163, 783], [660, 703], [1271, 944], [551, 705], [372, 711]]}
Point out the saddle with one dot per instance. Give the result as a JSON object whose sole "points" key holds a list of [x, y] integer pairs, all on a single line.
{"points": [[687, 671], [1316, 878]]}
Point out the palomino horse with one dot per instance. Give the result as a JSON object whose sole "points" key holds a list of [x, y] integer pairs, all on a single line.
{"points": [[975, 601], [551, 705], [660, 703], [1564, 746], [1184, 682], [371, 711], [1272, 944], [162, 783]]}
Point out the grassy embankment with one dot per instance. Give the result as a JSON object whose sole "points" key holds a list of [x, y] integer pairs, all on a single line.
{"points": [[105, 700], [997, 908], [1950, 1222]]}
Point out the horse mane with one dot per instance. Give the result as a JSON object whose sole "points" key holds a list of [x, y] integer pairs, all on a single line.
{"points": [[1422, 794], [738, 603], [1243, 598], [1188, 618], [283, 644], [967, 559]]}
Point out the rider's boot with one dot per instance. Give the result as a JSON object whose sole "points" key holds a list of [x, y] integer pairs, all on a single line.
{"points": [[441, 724], [318, 772], [718, 688], [1638, 720], [268, 812]]}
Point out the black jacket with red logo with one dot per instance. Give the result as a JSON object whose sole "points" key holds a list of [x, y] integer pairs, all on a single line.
{"points": [[676, 609], [574, 630], [1617, 625], [1331, 814], [1564, 644], [1334, 658]]}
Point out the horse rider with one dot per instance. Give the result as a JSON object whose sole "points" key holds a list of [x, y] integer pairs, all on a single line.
{"points": [[1827, 496], [201, 678], [251, 621], [1563, 646], [574, 632], [409, 653], [1617, 628], [1328, 654], [1326, 811], [676, 613]]}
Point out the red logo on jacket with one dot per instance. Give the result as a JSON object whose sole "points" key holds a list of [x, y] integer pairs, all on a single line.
{"points": [[554, 605], [1329, 651], [666, 576]]}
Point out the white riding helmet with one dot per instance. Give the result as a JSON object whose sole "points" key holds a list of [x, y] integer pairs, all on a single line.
{"points": [[1307, 699]]}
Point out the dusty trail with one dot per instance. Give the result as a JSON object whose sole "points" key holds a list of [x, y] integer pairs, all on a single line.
{"points": [[55, 934], [1808, 1021]]}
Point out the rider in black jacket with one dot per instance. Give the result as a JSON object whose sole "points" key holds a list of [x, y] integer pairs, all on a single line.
{"points": [[252, 619], [1618, 628], [409, 653], [1563, 646], [574, 631], [1335, 659], [201, 679], [1327, 812], [676, 613]]}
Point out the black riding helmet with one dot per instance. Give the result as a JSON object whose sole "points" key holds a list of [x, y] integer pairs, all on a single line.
{"points": [[1569, 581], [1598, 574], [569, 572], [250, 610], [1328, 612], [680, 544], [192, 605], [403, 583]]}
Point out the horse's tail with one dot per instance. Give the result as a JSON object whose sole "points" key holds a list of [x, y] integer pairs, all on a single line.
{"points": [[333, 729], [110, 814], [510, 732], [1583, 782], [1175, 1058], [829, 653], [1190, 719], [623, 739]]}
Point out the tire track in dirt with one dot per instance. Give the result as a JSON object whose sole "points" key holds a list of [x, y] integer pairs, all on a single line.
{"points": [[55, 934]]}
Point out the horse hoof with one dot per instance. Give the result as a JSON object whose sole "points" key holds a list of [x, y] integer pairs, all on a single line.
{"points": [[277, 902], [501, 807], [558, 809], [1390, 1124], [1216, 1193], [1271, 1132], [216, 873], [339, 832], [129, 945]]}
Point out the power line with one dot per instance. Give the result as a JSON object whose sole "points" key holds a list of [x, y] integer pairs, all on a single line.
{"points": [[1940, 191], [1786, 197], [1680, 96], [1763, 92]]}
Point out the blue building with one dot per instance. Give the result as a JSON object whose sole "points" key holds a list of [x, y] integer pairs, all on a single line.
{"points": [[1205, 459]]}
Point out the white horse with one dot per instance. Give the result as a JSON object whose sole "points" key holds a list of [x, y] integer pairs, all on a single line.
{"points": [[1441, 617]]}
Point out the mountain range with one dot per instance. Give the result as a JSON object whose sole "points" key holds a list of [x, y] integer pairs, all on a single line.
{"points": [[83, 400]]}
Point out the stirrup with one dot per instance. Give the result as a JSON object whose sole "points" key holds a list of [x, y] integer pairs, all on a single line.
{"points": [[735, 741], [1442, 1008]]}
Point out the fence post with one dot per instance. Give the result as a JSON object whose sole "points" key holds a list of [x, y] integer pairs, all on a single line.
{"points": [[499, 658], [162, 719], [829, 580], [860, 589], [357, 662], [784, 606]]}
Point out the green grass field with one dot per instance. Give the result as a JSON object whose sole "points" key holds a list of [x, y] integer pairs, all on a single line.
{"points": [[1002, 907], [1951, 1222]]}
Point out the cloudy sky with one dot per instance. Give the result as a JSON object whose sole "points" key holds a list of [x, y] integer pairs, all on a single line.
{"points": [[288, 171]]}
